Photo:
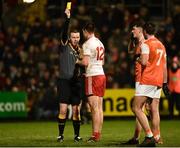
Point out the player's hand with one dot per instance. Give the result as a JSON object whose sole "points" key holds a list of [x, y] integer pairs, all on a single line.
{"points": [[166, 90], [136, 57], [131, 45], [133, 39], [68, 13]]}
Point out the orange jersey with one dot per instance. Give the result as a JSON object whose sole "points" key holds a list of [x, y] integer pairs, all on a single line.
{"points": [[174, 81], [152, 73], [137, 66]]}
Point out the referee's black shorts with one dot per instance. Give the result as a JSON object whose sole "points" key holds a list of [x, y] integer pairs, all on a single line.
{"points": [[70, 91]]}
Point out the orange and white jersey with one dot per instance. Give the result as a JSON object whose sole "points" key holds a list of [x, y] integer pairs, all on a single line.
{"points": [[152, 73], [94, 48], [137, 65]]}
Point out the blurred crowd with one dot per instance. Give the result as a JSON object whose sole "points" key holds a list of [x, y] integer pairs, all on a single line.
{"points": [[29, 57]]}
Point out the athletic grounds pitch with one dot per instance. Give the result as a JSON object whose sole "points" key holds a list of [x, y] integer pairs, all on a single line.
{"points": [[44, 133]]}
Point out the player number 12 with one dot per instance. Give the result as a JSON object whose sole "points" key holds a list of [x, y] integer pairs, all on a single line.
{"points": [[100, 53]]}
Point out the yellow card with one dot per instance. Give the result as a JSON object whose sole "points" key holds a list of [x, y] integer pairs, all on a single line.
{"points": [[68, 6]]}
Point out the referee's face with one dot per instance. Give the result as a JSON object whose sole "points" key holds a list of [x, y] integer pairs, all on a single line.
{"points": [[74, 38]]}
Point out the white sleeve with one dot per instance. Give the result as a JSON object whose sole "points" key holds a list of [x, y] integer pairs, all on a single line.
{"points": [[144, 48], [86, 49]]}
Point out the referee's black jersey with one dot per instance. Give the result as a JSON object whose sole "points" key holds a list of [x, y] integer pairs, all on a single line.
{"points": [[67, 61]]}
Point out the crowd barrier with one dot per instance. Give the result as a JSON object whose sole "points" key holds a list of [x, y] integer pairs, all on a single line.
{"points": [[117, 102], [13, 105]]}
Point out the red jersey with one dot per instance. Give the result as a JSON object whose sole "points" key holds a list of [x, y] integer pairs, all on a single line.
{"points": [[152, 73]]}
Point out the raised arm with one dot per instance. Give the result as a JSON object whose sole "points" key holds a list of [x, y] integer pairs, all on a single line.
{"points": [[132, 45], [64, 35]]}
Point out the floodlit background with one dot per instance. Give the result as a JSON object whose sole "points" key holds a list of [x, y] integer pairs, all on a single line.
{"points": [[29, 61], [29, 67]]}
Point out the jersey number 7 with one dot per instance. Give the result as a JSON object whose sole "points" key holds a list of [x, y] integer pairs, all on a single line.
{"points": [[160, 53]]}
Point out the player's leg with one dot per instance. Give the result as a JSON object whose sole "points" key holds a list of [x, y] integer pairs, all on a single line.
{"points": [[155, 117], [76, 122], [142, 94], [62, 120], [100, 113], [138, 104], [101, 85], [63, 89], [76, 97], [93, 104], [137, 131], [135, 138], [85, 112], [95, 88], [138, 128], [96, 120], [88, 112]]}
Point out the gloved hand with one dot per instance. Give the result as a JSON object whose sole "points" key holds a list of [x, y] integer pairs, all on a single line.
{"points": [[166, 90]]}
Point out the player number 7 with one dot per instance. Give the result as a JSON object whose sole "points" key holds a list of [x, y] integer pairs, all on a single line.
{"points": [[160, 52]]}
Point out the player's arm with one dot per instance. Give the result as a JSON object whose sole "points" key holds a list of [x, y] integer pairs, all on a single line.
{"points": [[165, 80], [144, 57], [131, 45], [86, 56], [165, 71], [85, 60], [64, 35]]}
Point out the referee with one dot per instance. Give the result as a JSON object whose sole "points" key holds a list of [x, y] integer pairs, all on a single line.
{"points": [[69, 85]]}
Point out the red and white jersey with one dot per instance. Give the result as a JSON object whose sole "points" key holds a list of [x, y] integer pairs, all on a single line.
{"points": [[94, 48], [152, 73]]}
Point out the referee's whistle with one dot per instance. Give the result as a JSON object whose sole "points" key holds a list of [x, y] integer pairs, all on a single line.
{"points": [[68, 6]]}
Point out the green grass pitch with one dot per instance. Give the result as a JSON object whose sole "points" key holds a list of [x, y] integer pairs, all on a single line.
{"points": [[114, 132]]}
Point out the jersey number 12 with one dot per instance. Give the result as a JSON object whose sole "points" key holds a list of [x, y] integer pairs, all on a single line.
{"points": [[100, 53]]}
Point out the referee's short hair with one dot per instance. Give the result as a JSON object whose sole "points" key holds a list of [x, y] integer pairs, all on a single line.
{"points": [[89, 27], [150, 28], [74, 30]]}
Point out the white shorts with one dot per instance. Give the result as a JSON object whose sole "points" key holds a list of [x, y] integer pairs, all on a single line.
{"points": [[147, 90]]}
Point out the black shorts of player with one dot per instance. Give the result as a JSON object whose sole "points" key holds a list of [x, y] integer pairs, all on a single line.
{"points": [[70, 91]]}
